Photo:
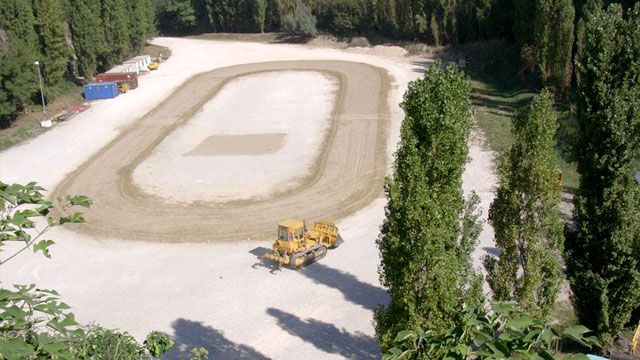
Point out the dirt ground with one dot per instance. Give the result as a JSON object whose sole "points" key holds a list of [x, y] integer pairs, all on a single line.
{"points": [[348, 174], [211, 291], [244, 152]]}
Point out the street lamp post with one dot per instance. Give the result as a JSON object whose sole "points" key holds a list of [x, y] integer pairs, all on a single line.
{"points": [[45, 122]]}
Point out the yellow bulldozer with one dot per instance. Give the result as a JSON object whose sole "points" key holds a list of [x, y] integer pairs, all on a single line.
{"points": [[296, 246], [634, 348]]}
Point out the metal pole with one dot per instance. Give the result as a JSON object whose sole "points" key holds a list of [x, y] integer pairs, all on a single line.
{"points": [[44, 107]]}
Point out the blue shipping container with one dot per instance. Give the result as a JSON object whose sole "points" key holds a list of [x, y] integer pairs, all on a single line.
{"points": [[105, 90]]}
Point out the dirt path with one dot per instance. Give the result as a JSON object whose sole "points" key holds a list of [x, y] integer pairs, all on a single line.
{"points": [[348, 174]]}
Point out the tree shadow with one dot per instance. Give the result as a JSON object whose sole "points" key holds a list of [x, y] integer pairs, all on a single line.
{"points": [[506, 106], [327, 337], [492, 250], [366, 295], [283, 38], [193, 334], [422, 66], [262, 262]]}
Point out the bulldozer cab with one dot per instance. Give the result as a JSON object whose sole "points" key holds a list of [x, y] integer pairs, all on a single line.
{"points": [[291, 230]]}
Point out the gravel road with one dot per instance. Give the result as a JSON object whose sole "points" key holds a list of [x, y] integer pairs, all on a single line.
{"points": [[217, 294]]}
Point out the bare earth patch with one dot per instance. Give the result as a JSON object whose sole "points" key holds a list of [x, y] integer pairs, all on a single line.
{"points": [[298, 104], [251, 144]]}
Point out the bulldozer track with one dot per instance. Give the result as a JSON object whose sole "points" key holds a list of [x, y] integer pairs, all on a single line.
{"points": [[348, 173]]}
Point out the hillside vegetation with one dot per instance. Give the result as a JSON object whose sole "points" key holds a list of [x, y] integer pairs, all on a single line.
{"points": [[71, 39]]}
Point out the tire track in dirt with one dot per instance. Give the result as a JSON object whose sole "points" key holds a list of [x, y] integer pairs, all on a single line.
{"points": [[348, 174]]}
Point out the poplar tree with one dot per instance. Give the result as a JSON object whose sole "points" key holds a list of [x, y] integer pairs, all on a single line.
{"points": [[603, 253], [429, 232], [259, 12], [553, 41], [53, 45], [525, 214]]}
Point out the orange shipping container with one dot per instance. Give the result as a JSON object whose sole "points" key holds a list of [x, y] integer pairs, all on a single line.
{"points": [[130, 78]]}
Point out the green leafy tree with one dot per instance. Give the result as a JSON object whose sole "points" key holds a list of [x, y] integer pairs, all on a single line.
{"points": [[300, 22], [273, 18], [385, 12], [523, 21], [259, 11], [603, 253], [116, 32], [105, 344], [347, 16], [87, 34], [17, 19], [553, 41], [158, 344], [35, 323], [507, 332], [18, 81], [525, 214], [139, 28], [53, 46], [149, 13], [176, 15], [429, 232]]}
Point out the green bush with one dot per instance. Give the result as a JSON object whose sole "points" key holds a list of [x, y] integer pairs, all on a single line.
{"points": [[505, 332], [347, 16], [301, 22], [34, 323]]}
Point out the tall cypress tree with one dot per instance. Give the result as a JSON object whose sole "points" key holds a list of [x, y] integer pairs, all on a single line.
{"points": [[429, 233], [149, 18], [116, 32], [88, 36], [603, 254], [141, 25], [18, 75], [18, 81], [53, 46], [18, 21], [525, 214]]}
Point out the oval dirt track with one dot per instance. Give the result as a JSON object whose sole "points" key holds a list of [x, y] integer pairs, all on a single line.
{"points": [[348, 173]]}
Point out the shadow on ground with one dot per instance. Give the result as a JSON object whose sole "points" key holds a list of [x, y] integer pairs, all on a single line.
{"points": [[492, 251], [354, 290], [262, 262], [193, 334], [327, 337]]}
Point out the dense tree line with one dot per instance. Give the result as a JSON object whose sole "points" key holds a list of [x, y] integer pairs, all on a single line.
{"points": [[71, 39], [601, 248], [543, 30]]}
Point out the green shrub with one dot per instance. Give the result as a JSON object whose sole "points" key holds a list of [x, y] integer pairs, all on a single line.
{"points": [[506, 332], [347, 16], [301, 22]]}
